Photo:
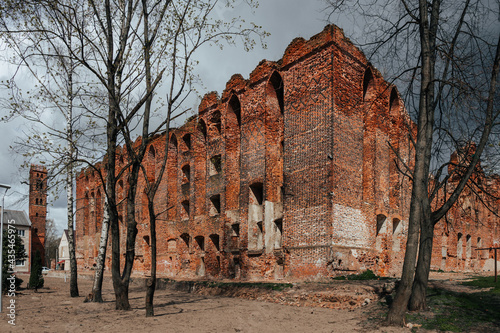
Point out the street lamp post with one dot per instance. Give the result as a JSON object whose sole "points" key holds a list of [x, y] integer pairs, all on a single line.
{"points": [[6, 187]]}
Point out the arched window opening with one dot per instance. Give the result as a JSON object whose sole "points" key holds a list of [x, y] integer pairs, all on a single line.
{"points": [[151, 164], [278, 232], [481, 253], [459, 246], [202, 129], [396, 232], [235, 230], [215, 205], [394, 102], [368, 85], [186, 238], [215, 165], [380, 231], [235, 107], [186, 174], [172, 245], [468, 246], [279, 89], [172, 168], [86, 215], [215, 240], [381, 227], [216, 121], [256, 194], [185, 210], [396, 227], [200, 241], [173, 142], [187, 141]]}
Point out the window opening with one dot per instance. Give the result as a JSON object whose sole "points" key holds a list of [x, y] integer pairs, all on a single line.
{"points": [[215, 205], [256, 193]]}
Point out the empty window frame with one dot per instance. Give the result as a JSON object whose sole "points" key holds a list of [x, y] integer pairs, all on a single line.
{"points": [[186, 174], [185, 209], [215, 205], [256, 194], [187, 141]]}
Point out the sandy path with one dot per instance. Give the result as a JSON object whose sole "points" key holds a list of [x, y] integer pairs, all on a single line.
{"points": [[52, 310]]}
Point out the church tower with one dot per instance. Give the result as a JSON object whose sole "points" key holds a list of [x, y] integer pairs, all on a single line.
{"points": [[38, 208]]}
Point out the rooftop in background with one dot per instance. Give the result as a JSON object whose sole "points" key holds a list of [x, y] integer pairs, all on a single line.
{"points": [[19, 216]]}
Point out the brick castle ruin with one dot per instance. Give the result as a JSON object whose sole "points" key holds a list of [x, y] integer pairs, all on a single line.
{"points": [[290, 173]]}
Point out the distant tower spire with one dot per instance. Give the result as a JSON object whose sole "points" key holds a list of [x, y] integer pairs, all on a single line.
{"points": [[38, 208]]}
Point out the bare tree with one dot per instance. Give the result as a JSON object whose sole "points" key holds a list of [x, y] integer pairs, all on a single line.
{"points": [[56, 137], [190, 27], [128, 47], [451, 57], [52, 240]]}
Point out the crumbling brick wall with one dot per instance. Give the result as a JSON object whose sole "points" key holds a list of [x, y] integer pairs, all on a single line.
{"points": [[289, 173]]}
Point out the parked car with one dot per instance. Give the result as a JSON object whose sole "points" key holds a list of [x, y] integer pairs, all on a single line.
{"points": [[45, 270]]}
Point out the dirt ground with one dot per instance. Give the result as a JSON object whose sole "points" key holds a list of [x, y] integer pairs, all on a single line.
{"points": [[304, 308]]}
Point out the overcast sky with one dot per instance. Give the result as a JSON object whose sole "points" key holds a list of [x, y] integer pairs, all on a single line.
{"points": [[283, 19]]}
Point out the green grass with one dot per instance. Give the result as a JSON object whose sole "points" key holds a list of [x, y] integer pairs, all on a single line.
{"points": [[460, 312], [485, 282]]}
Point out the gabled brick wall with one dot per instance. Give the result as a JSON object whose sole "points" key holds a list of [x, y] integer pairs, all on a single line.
{"points": [[289, 173]]}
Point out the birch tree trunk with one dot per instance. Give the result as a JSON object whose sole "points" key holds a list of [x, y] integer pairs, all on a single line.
{"points": [[96, 295], [73, 282]]}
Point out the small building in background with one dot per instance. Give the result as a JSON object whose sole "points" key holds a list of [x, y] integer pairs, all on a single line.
{"points": [[63, 253], [22, 225]]}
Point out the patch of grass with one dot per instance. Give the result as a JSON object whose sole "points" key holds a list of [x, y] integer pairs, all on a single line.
{"points": [[460, 312], [366, 275], [485, 282], [438, 271]]}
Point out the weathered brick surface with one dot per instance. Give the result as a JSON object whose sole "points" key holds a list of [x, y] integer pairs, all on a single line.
{"points": [[288, 174], [38, 208]]}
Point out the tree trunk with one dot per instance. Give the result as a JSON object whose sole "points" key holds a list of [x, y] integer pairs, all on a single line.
{"points": [[425, 126], [151, 283], [122, 282], [73, 280], [418, 294], [121, 294], [398, 308], [96, 295]]}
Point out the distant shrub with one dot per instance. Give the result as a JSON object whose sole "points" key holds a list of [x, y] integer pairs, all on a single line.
{"points": [[366, 275]]}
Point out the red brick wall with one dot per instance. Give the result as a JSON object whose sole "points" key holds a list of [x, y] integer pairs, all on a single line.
{"points": [[287, 174], [38, 208]]}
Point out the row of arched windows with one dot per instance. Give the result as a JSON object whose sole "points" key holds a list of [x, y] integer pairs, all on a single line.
{"points": [[370, 92], [38, 201]]}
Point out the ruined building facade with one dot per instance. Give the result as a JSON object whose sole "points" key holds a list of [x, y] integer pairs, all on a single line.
{"points": [[289, 173]]}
